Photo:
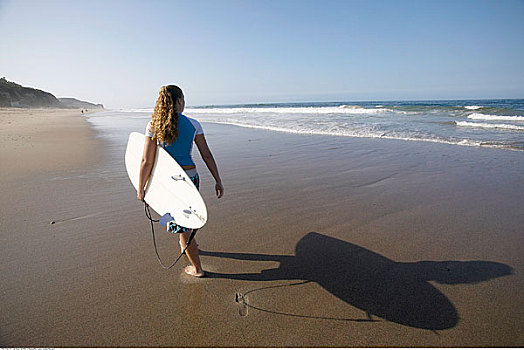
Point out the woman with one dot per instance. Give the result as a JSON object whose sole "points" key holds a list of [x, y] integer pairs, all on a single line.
{"points": [[169, 127]]}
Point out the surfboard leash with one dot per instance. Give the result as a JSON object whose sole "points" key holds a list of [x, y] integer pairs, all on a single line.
{"points": [[152, 221]]}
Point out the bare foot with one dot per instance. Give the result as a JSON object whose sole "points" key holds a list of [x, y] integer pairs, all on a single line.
{"points": [[191, 271]]}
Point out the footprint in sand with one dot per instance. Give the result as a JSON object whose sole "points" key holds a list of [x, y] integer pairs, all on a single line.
{"points": [[241, 300]]}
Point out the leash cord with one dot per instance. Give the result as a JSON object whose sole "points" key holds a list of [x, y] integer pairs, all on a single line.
{"points": [[151, 220]]}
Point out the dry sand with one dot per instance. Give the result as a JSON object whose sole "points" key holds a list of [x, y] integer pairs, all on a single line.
{"points": [[36, 140], [330, 241]]}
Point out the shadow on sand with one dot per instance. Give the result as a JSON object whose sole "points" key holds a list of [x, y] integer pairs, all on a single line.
{"points": [[394, 291]]}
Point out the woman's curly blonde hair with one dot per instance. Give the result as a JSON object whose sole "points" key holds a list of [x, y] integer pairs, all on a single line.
{"points": [[164, 122]]}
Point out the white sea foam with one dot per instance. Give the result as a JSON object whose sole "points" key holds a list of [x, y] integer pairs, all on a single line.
{"points": [[137, 110], [360, 133], [405, 122], [478, 116], [491, 126]]}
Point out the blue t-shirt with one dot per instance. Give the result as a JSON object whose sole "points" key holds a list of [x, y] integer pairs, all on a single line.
{"points": [[182, 148]]}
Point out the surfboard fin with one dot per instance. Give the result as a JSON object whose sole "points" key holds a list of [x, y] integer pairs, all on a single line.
{"points": [[165, 219]]}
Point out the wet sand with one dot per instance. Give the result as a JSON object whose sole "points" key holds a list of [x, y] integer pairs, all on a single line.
{"points": [[319, 241]]}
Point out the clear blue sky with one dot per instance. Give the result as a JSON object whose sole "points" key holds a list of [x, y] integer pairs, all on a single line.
{"points": [[120, 52]]}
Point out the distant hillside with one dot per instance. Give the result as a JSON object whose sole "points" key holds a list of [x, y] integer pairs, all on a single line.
{"points": [[70, 102], [15, 95]]}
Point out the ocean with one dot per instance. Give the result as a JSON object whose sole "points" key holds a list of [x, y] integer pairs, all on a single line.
{"points": [[474, 123]]}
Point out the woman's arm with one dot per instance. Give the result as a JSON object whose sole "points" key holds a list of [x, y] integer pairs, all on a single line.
{"points": [[205, 152], [148, 160]]}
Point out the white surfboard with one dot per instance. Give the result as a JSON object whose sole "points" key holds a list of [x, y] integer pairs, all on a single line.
{"points": [[169, 189]]}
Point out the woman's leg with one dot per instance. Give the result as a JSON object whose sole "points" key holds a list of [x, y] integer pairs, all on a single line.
{"points": [[192, 255], [192, 250]]}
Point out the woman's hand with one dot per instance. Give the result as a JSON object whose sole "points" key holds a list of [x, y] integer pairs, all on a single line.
{"points": [[219, 188]]}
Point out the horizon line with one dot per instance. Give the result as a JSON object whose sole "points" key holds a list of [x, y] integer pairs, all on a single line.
{"points": [[341, 101]]}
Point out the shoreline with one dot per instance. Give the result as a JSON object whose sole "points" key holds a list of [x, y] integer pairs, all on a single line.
{"points": [[320, 236], [392, 138], [493, 124]]}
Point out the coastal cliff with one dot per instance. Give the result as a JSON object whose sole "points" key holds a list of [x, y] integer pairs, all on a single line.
{"points": [[15, 95]]}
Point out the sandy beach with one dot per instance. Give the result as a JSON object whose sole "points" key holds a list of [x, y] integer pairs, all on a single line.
{"points": [[319, 241]]}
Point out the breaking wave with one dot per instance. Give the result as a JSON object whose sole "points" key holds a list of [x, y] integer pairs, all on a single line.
{"points": [[491, 126], [343, 109], [487, 123], [478, 116]]}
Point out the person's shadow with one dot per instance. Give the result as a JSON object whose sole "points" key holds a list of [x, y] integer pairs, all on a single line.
{"points": [[394, 291]]}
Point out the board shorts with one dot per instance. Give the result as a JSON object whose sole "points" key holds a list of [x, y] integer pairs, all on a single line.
{"points": [[193, 176]]}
